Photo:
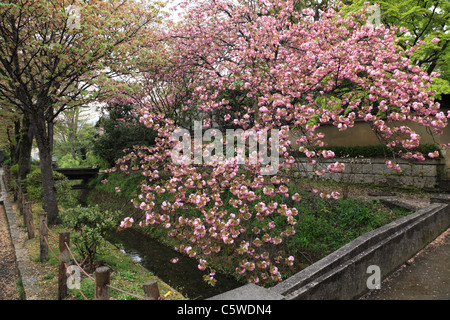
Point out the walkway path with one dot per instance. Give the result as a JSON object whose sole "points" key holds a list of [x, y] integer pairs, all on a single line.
{"points": [[424, 277], [9, 272], [16, 263]]}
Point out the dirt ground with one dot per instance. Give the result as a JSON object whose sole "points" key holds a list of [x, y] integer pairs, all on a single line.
{"points": [[9, 272]]}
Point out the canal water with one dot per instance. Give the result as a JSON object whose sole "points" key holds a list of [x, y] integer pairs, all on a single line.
{"points": [[184, 276]]}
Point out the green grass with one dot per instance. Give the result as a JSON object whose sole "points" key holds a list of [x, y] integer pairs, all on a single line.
{"points": [[326, 225], [126, 275], [20, 289]]}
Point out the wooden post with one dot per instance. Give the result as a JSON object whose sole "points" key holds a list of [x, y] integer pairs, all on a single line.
{"points": [[102, 280], [9, 184], [43, 233], [23, 195], [15, 189], [6, 178], [151, 290], [20, 202], [29, 217], [5, 175], [64, 237]]}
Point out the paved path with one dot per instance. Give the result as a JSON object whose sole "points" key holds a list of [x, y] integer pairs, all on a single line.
{"points": [[424, 277], [18, 264]]}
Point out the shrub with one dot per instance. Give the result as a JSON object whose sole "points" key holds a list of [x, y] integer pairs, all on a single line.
{"points": [[14, 170], [67, 161], [65, 195], [5, 159], [89, 225], [372, 151]]}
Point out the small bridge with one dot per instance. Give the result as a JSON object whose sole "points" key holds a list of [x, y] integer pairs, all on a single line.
{"points": [[84, 174]]}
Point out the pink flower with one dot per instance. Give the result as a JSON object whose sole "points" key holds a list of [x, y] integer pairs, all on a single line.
{"points": [[202, 264], [393, 166], [434, 154], [336, 167], [296, 197], [290, 261], [435, 40], [327, 154], [336, 195], [127, 223]]}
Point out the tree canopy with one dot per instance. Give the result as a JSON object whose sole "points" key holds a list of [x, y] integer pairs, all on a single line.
{"points": [[424, 23], [267, 67], [55, 54]]}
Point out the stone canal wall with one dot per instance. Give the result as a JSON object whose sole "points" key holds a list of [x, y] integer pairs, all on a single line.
{"points": [[345, 273], [420, 174]]}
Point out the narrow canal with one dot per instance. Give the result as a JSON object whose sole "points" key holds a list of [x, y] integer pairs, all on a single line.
{"points": [[183, 276]]}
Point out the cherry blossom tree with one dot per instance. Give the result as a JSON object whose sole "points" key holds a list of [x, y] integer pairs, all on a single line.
{"points": [[261, 67]]}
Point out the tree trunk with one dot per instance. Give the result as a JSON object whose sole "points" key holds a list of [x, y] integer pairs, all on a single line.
{"points": [[50, 203], [25, 146], [44, 141], [13, 139]]}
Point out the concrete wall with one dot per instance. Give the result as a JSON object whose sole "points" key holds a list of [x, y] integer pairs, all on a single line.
{"points": [[343, 274], [420, 174], [362, 135]]}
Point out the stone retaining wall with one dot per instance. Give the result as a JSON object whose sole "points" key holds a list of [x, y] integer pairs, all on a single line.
{"points": [[419, 174]]}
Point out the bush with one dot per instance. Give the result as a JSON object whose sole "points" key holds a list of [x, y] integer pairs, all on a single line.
{"points": [[91, 160], [128, 184], [90, 225], [14, 171], [372, 151], [65, 195], [5, 159], [119, 136], [68, 161]]}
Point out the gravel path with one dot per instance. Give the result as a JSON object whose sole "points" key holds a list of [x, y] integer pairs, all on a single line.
{"points": [[9, 272]]}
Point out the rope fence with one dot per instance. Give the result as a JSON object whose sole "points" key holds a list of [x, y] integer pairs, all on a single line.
{"points": [[69, 276]]}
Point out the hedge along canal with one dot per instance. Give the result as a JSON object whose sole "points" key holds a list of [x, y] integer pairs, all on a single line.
{"points": [[184, 276]]}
